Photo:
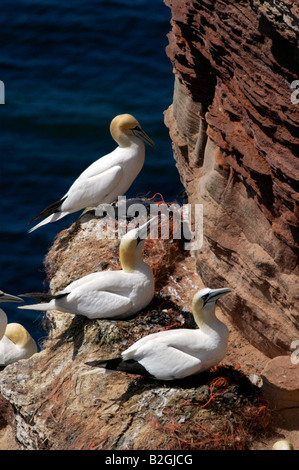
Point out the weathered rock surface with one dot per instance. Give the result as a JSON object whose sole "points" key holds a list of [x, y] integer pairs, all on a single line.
{"points": [[281, 388], [281, 382], [235, 138]]}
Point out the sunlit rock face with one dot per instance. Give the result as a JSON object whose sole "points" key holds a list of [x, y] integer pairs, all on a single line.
{"points": [[234, 124]]}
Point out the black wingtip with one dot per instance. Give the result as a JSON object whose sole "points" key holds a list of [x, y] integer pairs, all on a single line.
{"points": [[49, 210], [31, 295], [42, 296], [130, 366], [93, 363], [111, 364]]}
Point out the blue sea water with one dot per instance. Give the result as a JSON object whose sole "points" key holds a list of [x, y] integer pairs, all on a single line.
{"points": [[68, 69]]}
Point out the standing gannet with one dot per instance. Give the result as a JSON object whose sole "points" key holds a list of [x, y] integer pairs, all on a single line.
{"points": [[15, 341], [108, 294], [175, 354], [108, 177]]}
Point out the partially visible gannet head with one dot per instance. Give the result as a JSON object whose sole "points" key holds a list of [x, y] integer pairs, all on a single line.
{"points": [[207, 297], [124, 126], [283, 445], [3, 323], [131, 245], [9, 298], [21, 338], [3, 317]]}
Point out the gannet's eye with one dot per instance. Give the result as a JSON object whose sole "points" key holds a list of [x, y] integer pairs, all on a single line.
{"points": [[138, 239], [205, 298]]}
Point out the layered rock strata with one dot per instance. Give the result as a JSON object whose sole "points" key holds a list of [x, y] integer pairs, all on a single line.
{"points": [[234, 124]]}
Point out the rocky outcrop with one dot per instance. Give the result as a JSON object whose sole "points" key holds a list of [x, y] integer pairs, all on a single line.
{"points": [[281, 388], [235, 130], [54, 401]]}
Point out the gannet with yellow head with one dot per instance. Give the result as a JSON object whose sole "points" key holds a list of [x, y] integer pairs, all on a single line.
{"points": [[176, 354], [283, 444], [108, 177], [114, 294], [15, 341]]}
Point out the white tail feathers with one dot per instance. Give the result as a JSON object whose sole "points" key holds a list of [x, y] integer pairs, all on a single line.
{"points": [[41, 306], [51, 218]]}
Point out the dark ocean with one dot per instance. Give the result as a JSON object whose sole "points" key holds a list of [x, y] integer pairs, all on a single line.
{"points": [[68, 69]]}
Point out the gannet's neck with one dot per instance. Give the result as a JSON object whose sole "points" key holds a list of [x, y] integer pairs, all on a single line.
{"points": [[130, 255], [18, 335], [3, 323], [125, 141], [206, 319], [131, 263]]}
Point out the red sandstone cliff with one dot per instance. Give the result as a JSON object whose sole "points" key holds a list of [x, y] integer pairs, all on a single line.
{"points": [[235, 138]]}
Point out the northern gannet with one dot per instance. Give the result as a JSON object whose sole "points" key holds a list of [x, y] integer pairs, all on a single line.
{"points": [[114, 294], [15, 341], [283, 445], [108, 177], [175, 354]]}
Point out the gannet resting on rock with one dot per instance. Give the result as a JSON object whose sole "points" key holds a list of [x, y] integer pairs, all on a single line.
{"points": [[15, 341], [108, 294], [107, 178], [175, 354]]}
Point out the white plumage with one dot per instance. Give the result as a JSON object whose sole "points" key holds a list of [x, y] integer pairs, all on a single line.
{"points": [[15, 341], [175, 354], [108, 177], [108, 294], [283, 444]]}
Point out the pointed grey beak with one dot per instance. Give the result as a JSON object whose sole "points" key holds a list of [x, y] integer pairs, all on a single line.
{"points": [[215, 294], [145, 229], [138, 132], [9, 298]]}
